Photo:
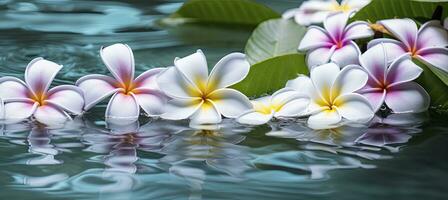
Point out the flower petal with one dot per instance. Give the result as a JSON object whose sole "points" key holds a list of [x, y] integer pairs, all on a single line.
{"points": [[407, 97], [376, 98], [315, 37], [393, 48], [147, 80], [2, 109], [305, 18], [357, 30], [177, 109], [194, 68], [324, 118], [151, 101], [67, 97], [354, 107], [39, 74], [374, 60], [403, 29], [432, 34], [355, 4], [96, 88], [231, 69], [122, 106], [335, 25], [50, 114], [301, 84], [19, 110], [347, 55], [206, 114], [349, 80], [230, 102], [437, 57], [297, 106], [319, 56], [254, 118], [323, 77], [119, 59], [175, 85], [13, 88], [402, 70]]}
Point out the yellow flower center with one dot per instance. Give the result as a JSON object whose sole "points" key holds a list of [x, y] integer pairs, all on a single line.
{"points": [[267, 108], [39, 97]]}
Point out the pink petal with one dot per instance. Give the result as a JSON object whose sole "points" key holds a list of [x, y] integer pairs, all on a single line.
{"points": [[49, 114], [432, 34], [357, 30], [151, 101], [402, 70], [403, 29], [393, 48], [437, 57], [315, 37], [335, 25], [19, 110], [119, 59], [147, 80], [347, 55], [319, 56], [407, 97], [231, 69], [374, 60], [96, 88], [67, 97], [376, 98], [122, 106], [13, 88], [39, 74], [194, 68]]}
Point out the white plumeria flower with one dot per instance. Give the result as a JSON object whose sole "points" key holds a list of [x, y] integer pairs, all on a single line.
{"points": [[392, 83], [315, 11], [200, 96], [332, 95], [284, 103], [33, 97], [335, 42], [129, 94], [427, 44]]}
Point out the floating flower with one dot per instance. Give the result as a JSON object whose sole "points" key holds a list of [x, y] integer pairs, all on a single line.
{"points": [[332, 95], [33, 97], [427, 44], [200, 96], [282, 104], [315, 11], [335, 42], [392, 83], [129, 94]]}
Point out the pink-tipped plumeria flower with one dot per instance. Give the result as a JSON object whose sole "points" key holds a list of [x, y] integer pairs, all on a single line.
{"points": [[200, 96], [335, 42], [331, 91], [33, 97], [284, 103], [392, 83], [427, 44], [129, 94], [315, 11]]}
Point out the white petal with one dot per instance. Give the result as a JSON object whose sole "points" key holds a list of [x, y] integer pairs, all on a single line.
{"points": [[293, 108], [39, 74], [305, 19], [13, 88], [194, 68], [403, 29], [231, 69], [96, 88], [319, 56], [349, 80], [356, 4], [49, 114], [174, 84], [151, 101], [301, 84], [357, 30], [2, 109], [325, 118], [147, 80], [393, 48], [19, 110], [354, 107], [315, 37], [347, 55], [432, 34], [290, 13], [335, 25], [119, 59], [206, 114], [437, 57], [177, 109], [407, 97], [254, 118], [122, 106], [403, 70], [374, 60], [230, 102], [323, 77]]}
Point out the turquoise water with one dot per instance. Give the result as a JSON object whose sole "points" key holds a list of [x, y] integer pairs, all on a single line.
{"points": [[398, 157]]}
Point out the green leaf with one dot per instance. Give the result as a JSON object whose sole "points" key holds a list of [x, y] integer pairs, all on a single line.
{"points": [[270, 75], [233, 12], [386, 9], [435, 83], [273, 38]]}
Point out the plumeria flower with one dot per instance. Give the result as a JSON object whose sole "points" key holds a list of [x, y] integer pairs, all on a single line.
{"points": [[335, 42], [315, 11], [34, 98], [129, 94], [332, 95], [392, 83], [282, 104], [427, 44], [200, 96]]}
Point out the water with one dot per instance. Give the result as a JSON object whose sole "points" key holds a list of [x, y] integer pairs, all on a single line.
{"points": [[398, 157]]}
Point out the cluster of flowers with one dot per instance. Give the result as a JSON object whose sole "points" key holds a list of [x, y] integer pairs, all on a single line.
{"points": [[344, 84]]}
